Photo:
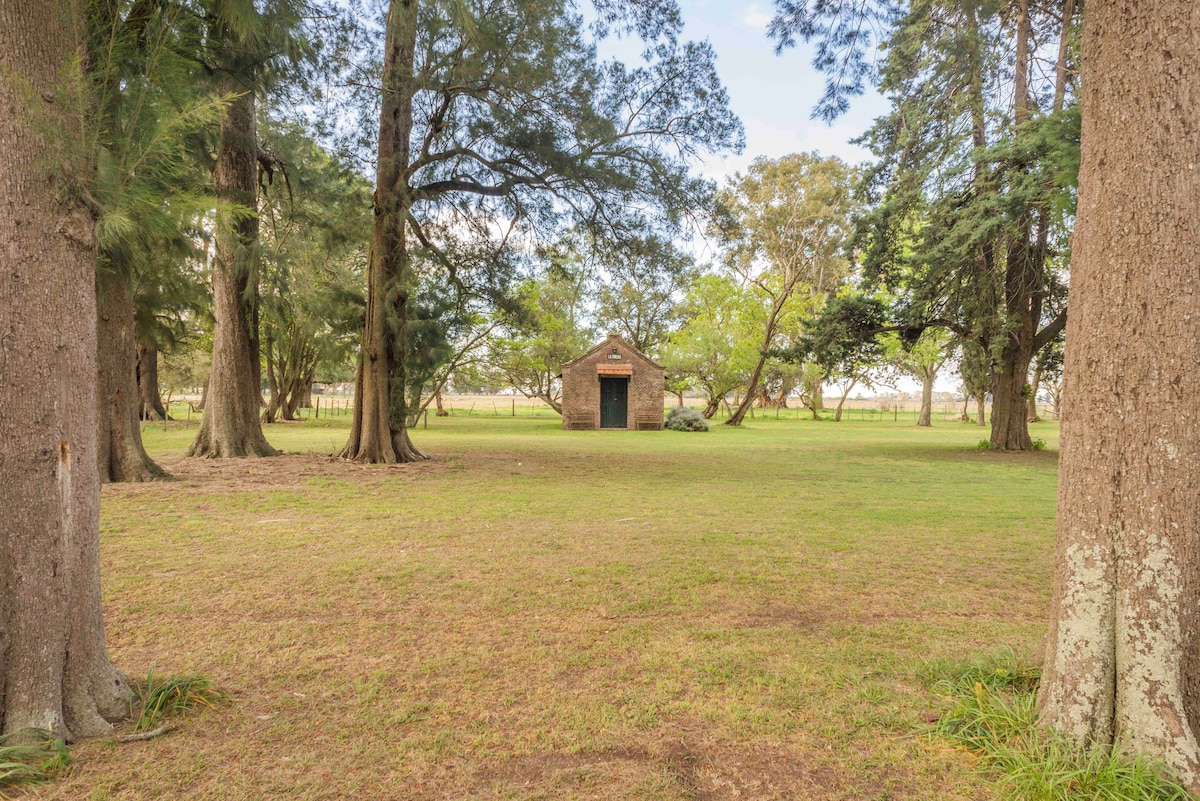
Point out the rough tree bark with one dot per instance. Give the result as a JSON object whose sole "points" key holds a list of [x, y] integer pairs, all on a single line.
{"points": [[379, 431], [54, 668], [1123, 660], [120, 455], [230, 426], [151, 405], [925, 418]]}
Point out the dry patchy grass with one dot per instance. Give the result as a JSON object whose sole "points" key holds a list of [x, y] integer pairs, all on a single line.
{"points": [[540, 614]]}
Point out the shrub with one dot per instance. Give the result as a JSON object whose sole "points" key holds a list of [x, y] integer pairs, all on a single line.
{"points": [[682, 418]]}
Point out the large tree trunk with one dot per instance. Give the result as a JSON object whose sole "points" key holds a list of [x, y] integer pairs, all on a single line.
{"points": [[54, 668], [230, 426], [119, 451], [1010, 428], [150, 405], [981, 410], [1123, 658], [925, 418], [379, 432]]}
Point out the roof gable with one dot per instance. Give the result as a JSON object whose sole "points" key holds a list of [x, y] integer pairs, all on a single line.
{"points": [[608, 343]]}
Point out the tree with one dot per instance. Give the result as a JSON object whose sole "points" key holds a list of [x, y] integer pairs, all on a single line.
{"points": [[783, 226], [146, 118], [1047, 368], [546, 333], [1122, 655], [715, 347], [503, 113], [975, 369], [316, 217], [845, 341], [55, 672], [243, 40], [1050, 363], [640, 290], [923, 360], [973, 189]]}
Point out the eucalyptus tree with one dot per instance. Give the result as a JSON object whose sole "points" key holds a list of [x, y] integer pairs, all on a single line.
{"points": [[315, 216], [501, 111], [783, 227], [1122, 655], [980, 148], [715, 348], [55, 672], [923, 360]]}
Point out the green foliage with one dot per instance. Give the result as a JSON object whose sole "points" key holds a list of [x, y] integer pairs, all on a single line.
{"points": [[783, 224], [544, 331], [991, 710], [315, 222], [26, 763], [640, 290], [173, 696], [685, 418], [714, 350]]}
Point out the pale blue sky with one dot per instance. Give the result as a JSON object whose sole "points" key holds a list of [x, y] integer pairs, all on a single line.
{"points": [[773, 95]]}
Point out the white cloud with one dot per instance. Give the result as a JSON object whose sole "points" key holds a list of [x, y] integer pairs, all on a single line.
{"points": [[755, 16]]}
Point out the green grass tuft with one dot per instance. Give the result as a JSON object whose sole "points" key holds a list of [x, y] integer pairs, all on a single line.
{"points": [[26, 763], [163, 698], [992, 712]]}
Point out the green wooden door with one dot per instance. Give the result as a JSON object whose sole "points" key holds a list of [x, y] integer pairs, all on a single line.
{"points": [[614, 402]]}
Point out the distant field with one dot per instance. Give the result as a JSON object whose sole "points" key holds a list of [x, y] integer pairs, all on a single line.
{"points": [[542, 614], [863, 409]]}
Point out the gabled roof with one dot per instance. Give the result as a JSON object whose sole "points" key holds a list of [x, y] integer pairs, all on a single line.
{"points": [[608, 343]]}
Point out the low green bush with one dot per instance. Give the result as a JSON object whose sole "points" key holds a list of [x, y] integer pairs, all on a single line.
{"points": [[683, 418]]}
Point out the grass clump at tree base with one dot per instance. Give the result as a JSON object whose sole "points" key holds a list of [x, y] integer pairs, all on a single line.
{"points": [[993, 713], [30, 757]]}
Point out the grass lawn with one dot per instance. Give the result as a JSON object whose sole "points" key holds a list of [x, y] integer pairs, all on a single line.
{"points": [[540, 614]]}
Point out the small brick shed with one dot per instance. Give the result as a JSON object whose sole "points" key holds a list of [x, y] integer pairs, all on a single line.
{"points": [[613, 385]]}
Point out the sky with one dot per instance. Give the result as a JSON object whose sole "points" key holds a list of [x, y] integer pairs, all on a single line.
{"points": [[773, 94]]}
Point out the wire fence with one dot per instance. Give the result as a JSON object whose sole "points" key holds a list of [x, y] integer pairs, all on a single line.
{"points": [[185, 412]]}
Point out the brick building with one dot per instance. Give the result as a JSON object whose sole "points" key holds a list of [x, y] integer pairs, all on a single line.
{"points": [[613, 385]]}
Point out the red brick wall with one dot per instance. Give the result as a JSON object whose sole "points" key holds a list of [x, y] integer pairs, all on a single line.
{"points": [[581, 388]]}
